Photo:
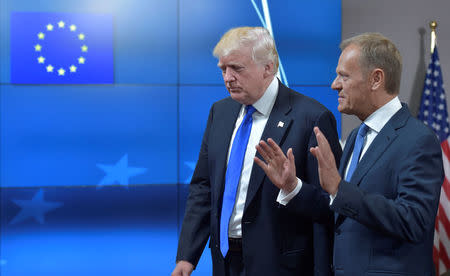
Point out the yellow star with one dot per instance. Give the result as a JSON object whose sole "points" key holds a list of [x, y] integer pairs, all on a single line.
{"points": [[73, 28], [37, 47], [41, 35], [81, 60], [41, 59], [81, 36], [49, 68], [61, 24], [61, 72], [84, 48], [73, 69], [49, 27]]}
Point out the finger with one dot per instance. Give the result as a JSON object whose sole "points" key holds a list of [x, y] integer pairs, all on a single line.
{"points": [[276, 150], [291, 157], [322, 141], [260, 163], [267, 151], [315, 152]]}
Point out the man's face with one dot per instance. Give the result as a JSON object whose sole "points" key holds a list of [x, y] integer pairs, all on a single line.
{"points": [[351, 83], [244, 79]]}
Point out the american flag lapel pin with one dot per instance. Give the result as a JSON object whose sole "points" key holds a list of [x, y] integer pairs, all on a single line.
{"points": [[280, 124]]}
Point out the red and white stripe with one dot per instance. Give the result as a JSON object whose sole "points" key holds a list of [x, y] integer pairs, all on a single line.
{"points": [[441, 249]]}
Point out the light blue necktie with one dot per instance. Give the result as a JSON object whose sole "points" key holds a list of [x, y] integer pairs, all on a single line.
{"points": [[233, 175], [362, 131]]}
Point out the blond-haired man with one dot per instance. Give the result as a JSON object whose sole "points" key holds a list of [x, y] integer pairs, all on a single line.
{"points": [[255, 226]]}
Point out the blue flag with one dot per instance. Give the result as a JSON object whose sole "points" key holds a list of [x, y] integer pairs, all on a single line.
{"points": [[61, 48]]}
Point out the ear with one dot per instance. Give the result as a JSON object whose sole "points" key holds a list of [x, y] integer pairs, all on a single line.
{"points": [[268, 70], [377, 79]]}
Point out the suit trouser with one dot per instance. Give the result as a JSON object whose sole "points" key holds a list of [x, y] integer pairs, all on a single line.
{"points": [[234, 263]]}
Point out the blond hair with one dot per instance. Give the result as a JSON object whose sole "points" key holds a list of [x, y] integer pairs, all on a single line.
{"points": [[258, 38]]}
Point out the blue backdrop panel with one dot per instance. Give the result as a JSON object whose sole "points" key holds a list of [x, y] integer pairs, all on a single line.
{"points": [[307, 35], [88, 231], [67, 135], [145, 35]]}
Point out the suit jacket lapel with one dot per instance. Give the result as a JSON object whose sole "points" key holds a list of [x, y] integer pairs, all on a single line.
{"points": [[272, 130]]}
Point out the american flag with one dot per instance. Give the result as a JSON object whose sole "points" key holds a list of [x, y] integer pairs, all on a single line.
{"points": [[433, 112]]}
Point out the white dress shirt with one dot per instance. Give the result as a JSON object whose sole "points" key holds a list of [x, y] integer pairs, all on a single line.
{"points": [[375, 122], [263, 108]]}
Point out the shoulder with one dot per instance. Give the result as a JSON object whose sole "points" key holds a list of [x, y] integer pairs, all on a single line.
{"points": [[224, 105], [416, 134], [302, 103]]}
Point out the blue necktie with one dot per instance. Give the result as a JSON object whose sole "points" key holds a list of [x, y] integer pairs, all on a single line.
{"points": [[362, 131], [233, 175]]}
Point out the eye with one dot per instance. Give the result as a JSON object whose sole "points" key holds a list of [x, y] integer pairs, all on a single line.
{"points": [[343, 76]]}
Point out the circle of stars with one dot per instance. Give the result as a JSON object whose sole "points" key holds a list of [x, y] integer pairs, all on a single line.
{"points": [[60, 70]]}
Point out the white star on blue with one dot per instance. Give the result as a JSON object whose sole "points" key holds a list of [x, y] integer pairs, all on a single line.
{"points": [[191, 166], [34, 208], [119, 173]]}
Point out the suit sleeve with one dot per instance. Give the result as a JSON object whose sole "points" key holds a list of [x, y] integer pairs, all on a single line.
{"points": [[312, 201], [418, 177], [195, 229]]}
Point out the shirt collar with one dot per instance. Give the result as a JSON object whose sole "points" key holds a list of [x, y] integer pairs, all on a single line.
{"points": [[265, 103], [382, 115]]}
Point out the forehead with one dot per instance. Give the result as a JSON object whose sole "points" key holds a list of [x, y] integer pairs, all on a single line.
{"points": [[349, 58], [239, 56]]}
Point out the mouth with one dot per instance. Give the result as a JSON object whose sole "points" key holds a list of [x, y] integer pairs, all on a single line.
{"points": [[233, 89]]}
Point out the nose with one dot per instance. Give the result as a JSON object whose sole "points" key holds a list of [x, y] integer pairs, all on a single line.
{"points": [[228, 75], [336, 84]]}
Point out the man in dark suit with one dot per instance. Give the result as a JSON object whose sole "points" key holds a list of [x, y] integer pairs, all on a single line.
{"points": [[257, 227], [386, 201]]}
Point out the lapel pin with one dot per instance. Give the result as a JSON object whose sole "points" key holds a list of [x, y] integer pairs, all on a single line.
{"points": [[280, 124]]}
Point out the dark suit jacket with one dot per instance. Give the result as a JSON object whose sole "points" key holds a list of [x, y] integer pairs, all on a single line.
{"points": [[277, 240], [386, 213]]}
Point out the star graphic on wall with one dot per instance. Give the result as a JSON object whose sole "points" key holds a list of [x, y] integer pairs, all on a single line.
{"points": [[191, 166], [119, 173], [35, 208]]}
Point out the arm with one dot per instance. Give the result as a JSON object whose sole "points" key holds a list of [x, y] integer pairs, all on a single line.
{"points": [[410, 215], [418, 180], [311, 200]]}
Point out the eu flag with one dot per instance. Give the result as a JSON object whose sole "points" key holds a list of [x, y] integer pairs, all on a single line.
{"points": [[61, 48]]}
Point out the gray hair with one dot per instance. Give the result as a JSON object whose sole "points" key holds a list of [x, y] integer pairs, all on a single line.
{"points": [[258, 38], [377, 51]]}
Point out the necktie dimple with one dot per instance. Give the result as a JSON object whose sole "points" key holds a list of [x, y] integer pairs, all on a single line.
{"points": [[362, 131], [233, 175]]}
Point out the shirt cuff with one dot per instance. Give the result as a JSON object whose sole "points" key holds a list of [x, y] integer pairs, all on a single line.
{"points": [[284, 198]]}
